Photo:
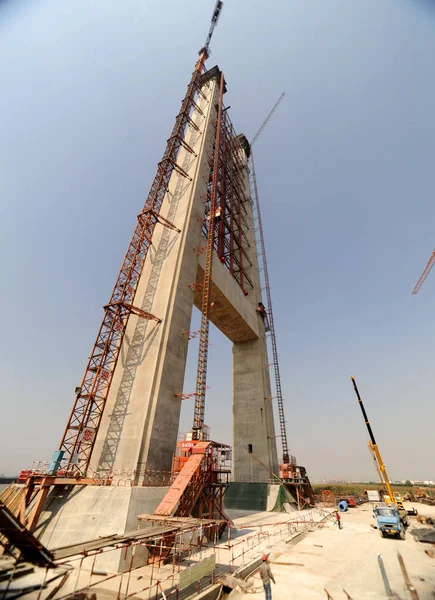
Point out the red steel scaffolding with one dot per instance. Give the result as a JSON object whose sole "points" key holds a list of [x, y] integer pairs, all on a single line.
{"points": [[223, 227], [91, 396]]}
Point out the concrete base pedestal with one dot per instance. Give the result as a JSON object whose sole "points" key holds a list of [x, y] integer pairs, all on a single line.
{"points": [[82, 513], [259, 497]]}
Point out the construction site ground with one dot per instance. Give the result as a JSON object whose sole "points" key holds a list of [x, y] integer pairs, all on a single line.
{"points": [[348, 558], [253, 533], [308, 554]]}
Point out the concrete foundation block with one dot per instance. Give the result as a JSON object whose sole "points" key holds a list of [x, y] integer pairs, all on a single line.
{"points": [[83, 513], [258, 497]]}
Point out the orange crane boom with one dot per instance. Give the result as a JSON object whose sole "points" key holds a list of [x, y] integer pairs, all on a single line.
{"points": [[425, 273]]}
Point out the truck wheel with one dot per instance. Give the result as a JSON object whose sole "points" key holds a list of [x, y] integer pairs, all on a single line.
{"points": [[381, 533]]}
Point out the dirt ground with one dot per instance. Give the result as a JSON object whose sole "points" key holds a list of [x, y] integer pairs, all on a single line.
{"points": [[348, 558]]}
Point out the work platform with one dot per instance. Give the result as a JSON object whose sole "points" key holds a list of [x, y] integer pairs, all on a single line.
{"points": [[198, 561], [151, 530]]}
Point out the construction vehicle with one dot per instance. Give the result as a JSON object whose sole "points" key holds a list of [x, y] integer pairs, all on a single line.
{"points": [[388, 520], [393, 502], [397, 499]]}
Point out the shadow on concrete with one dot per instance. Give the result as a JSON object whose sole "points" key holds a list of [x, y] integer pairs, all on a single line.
{"points": [[142, 341], [54, 504]]}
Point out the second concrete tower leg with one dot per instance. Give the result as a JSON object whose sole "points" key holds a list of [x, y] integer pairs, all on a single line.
{"points": [[254, 444]]}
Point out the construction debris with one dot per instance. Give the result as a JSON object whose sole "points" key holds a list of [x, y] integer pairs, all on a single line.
{"points": [[19, 542], [424, 534], [408, 583], [19, 579], [231, 582], [425, 520]]}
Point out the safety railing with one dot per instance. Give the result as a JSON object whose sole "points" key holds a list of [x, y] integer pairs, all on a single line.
{"points": [[196, 550]]}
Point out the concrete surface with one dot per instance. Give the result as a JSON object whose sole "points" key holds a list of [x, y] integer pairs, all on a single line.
{"points": [[232, 313], [272, 496], [88, 512], [253, 533], [247, 496], [254, 443], [256, 496], [140, 424], [335, 559], [138, 431]]}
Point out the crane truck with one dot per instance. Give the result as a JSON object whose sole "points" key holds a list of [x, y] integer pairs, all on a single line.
{"points": [[391, 516]]}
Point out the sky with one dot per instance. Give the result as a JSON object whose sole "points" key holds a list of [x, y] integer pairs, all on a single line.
{"points": [[346, 178]]}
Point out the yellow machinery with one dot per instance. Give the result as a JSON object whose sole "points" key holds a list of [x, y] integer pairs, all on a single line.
{"points": [[397, 500], [379, 463], [372, 452]]}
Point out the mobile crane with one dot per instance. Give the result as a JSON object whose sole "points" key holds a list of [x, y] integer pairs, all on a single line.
{"points": [[391, 516]]}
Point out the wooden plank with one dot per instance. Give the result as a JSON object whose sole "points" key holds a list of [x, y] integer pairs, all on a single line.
{"points": [[91, 545], [20, 537]]}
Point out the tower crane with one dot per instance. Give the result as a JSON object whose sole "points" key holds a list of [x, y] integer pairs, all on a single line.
{"points": [[70, 463], [427, 270], [267, 119], [78, 439], [215, 18], [278, 388], [198, 417]]}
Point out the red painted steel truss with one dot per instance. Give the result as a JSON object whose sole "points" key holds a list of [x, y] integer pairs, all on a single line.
{"points": [[224, 225], [224, 210], [230, 241], [85, 418]]}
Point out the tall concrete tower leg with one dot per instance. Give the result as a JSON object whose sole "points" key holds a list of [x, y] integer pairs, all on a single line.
{"points": [[139, 427], [138, 431], [254, 444], [142, 415]]}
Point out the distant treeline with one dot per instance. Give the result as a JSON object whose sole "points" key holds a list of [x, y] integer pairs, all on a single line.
{"points": [[7, 479], [357, 488]]}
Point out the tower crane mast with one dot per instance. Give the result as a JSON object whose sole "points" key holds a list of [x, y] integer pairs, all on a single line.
{"points": [[267, 119], [198, 417], [278, 388], [215, 18], [425, 273], [201, 380]]}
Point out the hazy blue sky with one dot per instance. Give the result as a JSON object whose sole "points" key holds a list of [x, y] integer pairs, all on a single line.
{"points": [[89, 92]]}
